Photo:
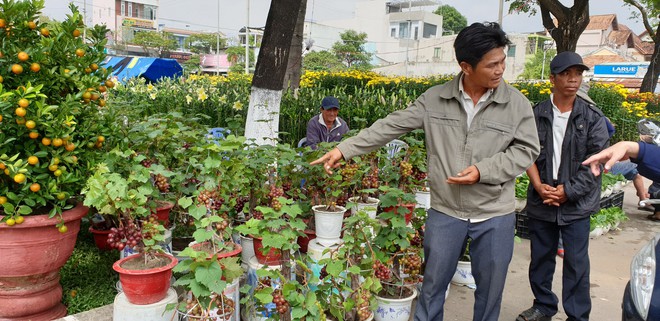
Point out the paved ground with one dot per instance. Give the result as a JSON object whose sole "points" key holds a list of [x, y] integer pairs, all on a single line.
{"points": [[610, 268]]}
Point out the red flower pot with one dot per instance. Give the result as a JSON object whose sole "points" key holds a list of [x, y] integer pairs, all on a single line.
{"points": [[145, 286], [163, 212], [273, 257], [101, 239], [303, 241], [410, 208], [32, 254], [236, 251]]}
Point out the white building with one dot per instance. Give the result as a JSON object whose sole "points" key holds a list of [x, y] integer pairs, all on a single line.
{"points": [[405, 38]]}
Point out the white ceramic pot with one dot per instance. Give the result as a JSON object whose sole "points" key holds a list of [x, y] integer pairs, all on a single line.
{"points": [[394, 309], [126, 311], [248, 250], [423, 199], [463, 275], [328, 225], [370, 208]]}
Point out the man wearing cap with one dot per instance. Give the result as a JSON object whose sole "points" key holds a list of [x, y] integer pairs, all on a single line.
{"points": [[563, 193], [326, 126]]}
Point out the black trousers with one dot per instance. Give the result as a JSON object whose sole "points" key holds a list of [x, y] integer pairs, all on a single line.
{"points": [[544, 237]]}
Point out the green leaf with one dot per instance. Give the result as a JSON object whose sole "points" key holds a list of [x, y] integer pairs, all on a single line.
{"points": [[335, 267], [185, 202], [24, 210]]}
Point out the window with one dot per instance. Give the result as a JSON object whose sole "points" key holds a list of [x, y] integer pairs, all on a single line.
{"points": [[437, 52], [130, 9], [404, 32], [123, 8], [430, 30], [416, 32], [511, 52], [393, 32]]}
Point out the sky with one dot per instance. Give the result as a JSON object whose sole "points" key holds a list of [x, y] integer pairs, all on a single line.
{"points": [[202, 15]]}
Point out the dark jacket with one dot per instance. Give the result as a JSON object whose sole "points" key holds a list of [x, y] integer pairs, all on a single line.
{"points": [[586, 134], [319, 133], [648, 161]]}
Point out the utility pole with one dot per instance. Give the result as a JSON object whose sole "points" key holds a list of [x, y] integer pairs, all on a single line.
{"points": [[409, 36], [499, 16], [84, 20], [217, 45], [247, 39]]}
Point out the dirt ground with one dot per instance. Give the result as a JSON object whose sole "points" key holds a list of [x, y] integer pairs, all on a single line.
{"points": [[610, 255]]}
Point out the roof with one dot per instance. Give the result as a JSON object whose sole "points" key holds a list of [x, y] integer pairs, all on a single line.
{"points": [[603, 55], [620, 37], [602, 22], [152, 69]]}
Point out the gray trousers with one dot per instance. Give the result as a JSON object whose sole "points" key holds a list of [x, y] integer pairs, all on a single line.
{"points": [[491, 249]]}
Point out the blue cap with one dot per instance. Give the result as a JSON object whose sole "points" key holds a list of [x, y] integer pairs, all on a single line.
{"points": [[330, 102]]}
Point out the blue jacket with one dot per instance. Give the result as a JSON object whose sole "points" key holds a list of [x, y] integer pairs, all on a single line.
{"points": [[648, 161], [586, 134]]}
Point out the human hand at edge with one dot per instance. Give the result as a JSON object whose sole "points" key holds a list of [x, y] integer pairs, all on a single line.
{"points": [[330, 160], [467, 176], [609, 156]]}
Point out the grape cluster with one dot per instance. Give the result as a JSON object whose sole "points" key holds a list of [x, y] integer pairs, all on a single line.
{"points": [[412, 264], [342, 200], [381, 271], [416, 240], [406, 169], [274, 193], [225, 308], [257, 215], [162, 183], [240, 204], [371, 180], [150, 227], [127, 235], [323, 273], [363, 305], [222, 225], [147, 162], [281, 304], [419, 175], [286, 187], [211, 199], [349, 171]]}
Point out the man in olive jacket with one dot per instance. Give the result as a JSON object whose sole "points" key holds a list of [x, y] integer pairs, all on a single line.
{"points": [[480, 134], [563, 193]]}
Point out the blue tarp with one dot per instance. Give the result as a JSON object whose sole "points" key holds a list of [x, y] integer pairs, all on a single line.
{"points": [[150, 68]]}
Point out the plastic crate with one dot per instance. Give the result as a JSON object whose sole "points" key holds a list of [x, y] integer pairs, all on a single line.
{"points": [[606, 202], [616, 199], [522, 228]]}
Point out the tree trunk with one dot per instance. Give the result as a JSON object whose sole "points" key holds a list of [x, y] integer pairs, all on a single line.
{"points": [[571, 22], [261, 126], [651, 77], [294, 65]]}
